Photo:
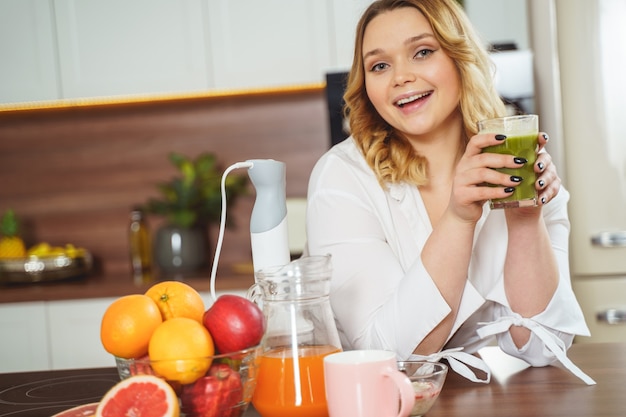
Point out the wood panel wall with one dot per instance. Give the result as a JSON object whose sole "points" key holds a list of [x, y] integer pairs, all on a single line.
{"points": [[74, 174]]}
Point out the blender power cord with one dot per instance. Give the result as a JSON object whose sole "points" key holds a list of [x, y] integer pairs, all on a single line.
{"points": [[220, 238]]}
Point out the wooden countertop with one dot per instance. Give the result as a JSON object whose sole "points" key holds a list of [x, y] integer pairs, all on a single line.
{"points": [[513, 391], [114, 285], [545, 391]]}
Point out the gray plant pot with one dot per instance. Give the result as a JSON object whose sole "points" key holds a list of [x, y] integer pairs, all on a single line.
{"points": [[181, 252]]}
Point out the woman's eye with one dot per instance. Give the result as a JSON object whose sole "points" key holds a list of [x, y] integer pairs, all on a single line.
{"points": [[423, 53], [378, 67]]}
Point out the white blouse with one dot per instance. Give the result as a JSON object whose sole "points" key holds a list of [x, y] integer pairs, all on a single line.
{"points": [[381, 294]]}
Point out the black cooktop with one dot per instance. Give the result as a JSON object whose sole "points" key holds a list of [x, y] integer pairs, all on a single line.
{"points": [[45, 393]]}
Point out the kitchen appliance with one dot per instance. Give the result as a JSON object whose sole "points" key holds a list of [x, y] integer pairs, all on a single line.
{"points": [[45, 393], [590, 39], [269, 234]]}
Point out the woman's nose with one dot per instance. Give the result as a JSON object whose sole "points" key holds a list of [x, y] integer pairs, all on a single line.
{"points": [[403, 74]]}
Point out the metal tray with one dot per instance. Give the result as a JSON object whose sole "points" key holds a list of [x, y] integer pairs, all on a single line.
{"points": [[44, 268]]}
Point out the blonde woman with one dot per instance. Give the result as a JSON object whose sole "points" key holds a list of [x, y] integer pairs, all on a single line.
{"points": [[422, 266]]}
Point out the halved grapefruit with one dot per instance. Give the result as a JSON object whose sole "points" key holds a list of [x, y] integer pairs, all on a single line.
{"points": [[140, 396], [86, 410]]}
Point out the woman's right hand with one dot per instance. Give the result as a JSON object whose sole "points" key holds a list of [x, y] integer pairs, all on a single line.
{"points": [[474, 171]]}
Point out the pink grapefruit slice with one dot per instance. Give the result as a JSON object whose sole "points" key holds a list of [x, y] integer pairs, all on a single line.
{"points": [[140, 396], [86, 410]]}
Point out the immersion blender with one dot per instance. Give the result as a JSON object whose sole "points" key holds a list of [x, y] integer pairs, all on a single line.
{"points": [[269, 236]]}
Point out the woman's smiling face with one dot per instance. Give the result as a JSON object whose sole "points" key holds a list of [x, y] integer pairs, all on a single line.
{"points": [[411, 81]]}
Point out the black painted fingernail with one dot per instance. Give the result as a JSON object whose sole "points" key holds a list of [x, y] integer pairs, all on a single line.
{"points": [[540, 166], [509, 189], [542, 183], [500, 137], [546, 137], [543, 200], [515, 178], [519, 160]]}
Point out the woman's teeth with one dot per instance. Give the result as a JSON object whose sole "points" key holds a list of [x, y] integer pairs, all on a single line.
{"points": [[410, 99]]}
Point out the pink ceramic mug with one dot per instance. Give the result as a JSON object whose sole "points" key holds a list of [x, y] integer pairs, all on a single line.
{"points": [[366, 383]]}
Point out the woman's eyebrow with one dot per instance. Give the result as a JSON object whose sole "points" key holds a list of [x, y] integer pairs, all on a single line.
{"points": [[409, 41], [417, 38]]}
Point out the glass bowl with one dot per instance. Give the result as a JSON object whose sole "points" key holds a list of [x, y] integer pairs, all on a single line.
{"points": [[34, 268], [427, 379], [224, 385]]}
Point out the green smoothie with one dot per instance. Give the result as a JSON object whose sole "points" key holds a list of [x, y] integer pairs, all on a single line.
{"points": [[523, 146]]}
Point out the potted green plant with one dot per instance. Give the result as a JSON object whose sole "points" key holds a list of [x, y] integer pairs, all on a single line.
{"points": [[190, 203]]}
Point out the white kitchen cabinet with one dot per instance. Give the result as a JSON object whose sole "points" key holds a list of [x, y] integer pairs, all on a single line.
{"points": [[279, 43], [69, 49], [74, 332], [62, 334], [346, 15], [603, 300], [27, 46], [269, 43], [120, 47], [24, 341]]}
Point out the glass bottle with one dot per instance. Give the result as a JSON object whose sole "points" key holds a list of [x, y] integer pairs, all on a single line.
{"points": [[300, 332], [140, 248]]}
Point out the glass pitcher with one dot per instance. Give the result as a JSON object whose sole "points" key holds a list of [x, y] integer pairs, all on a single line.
{"points": [[300, 332]]}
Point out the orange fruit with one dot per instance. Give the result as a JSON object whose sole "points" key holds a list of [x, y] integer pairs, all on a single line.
{"points": [[177, 299], [140, 396], [127, 325], [180, 350]]}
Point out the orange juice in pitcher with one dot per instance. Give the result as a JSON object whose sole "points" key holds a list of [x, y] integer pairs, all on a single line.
{"points": [[300, 332], [276, 395]]}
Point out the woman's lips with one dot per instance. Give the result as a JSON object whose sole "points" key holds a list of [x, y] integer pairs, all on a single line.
{"points": [[411, 99]]}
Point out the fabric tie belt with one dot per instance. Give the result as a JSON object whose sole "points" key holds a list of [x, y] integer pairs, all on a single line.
{"points": [[552, 342], [459, 360]]}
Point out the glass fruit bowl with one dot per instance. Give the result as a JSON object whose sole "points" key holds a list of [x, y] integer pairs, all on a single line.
{"points": [[34, 268], [220, 385], [427, 379]]}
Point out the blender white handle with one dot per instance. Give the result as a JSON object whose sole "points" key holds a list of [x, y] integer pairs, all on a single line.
{"points": [[268, 223], [268, 248]]}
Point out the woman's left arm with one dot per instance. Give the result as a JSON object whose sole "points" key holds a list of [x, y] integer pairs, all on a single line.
{"points": [[531, 272]]}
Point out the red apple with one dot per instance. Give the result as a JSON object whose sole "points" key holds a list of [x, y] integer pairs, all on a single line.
{"points": [[235, 323], [219, 394]]}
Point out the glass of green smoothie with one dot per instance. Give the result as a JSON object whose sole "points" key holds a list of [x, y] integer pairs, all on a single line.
{"points": [[521, 141]]}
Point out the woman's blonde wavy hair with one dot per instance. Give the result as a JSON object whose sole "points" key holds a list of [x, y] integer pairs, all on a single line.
{"points": [[390, 155]]}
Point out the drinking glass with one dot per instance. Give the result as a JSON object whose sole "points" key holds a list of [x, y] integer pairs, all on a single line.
{"points": [[521, 141]]}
